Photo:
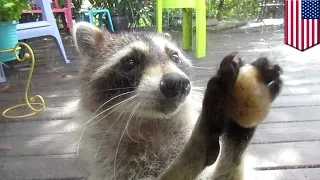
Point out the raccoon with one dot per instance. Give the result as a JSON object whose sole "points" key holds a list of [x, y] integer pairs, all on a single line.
{"points": [[144, 119]]}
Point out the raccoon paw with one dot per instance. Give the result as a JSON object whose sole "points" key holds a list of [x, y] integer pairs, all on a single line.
{"points": [[215, 108], [258, 84], [270, 74], [219, 90]]}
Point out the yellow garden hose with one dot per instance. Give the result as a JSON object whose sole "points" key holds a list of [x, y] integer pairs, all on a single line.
{"points": [[29, 101]]}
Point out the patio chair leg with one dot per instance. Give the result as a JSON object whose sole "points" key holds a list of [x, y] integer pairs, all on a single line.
{"points": [[90, 14], [201, 29], [82, 16], [159, 16], [69, 20], [101, 20], [108, 15], [2, 75], [186, 29], [61, 47], [64, 22]]}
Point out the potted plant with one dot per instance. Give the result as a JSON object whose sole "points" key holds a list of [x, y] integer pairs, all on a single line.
{"points": [[10, 13], [120, 21], [118, 10]]}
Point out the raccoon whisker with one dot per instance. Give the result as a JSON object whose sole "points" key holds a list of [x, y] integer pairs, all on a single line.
{"points": [[81, 85], [115, 157], [94, 114], [105, 134], [139, 116], [122, 102], [112, 89], [116, 107], [138, 131], [91, 118], [197, 67]]}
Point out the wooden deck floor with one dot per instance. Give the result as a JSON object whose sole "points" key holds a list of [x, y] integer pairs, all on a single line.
{"points": [[285, 147]]}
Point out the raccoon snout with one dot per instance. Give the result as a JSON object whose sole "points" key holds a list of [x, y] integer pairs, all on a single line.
{"points": [[174, 85]]}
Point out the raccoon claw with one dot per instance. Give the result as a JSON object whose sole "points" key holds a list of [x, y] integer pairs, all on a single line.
{"points": [[270, 75], [219, 89], [275, 87], [228, 71]]}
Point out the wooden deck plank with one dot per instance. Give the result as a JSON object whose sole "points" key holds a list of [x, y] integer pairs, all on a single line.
{"points": [[40, 81], [41, 145], [276, 115], [308, 113], [40, 167], [281, 101], [297, 101], [48, 114], [289, 155], [287, 132], [283, 154], [63, 89], [258, 155], [291, 174], [59, 143], [42, 84], [300, 90], [59, 101], [24, 168], [34, 128], [266, 133]]}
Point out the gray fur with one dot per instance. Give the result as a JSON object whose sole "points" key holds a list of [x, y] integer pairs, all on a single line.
{"points": [[145, 140]]}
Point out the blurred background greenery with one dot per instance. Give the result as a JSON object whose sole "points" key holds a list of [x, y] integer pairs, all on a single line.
{"points": [[141, 13]]}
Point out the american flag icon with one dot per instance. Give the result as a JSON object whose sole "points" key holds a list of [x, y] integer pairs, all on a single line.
{"points": [[302, 27]]}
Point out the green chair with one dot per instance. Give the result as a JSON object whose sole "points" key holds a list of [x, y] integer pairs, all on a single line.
{"points": [[200, 7]]}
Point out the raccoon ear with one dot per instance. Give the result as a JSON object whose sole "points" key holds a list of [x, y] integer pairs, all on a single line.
{"points": [[167, 36], [88, 38]]}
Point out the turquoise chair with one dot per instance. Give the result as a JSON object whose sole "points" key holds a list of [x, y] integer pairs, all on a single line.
{"points": [[2, 75], [187, 5], [91, 12]]}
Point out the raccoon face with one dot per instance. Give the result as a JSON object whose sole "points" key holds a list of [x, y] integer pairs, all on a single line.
{"points": [[146, 66]]}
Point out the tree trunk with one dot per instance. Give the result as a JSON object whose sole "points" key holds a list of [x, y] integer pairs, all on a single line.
{"points": [[220, 8]]}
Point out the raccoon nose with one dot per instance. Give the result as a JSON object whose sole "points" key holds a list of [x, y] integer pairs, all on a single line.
{"points": [[174, 85]]}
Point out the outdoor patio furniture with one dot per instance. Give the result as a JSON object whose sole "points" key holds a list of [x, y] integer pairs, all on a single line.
{"points": [[65, 13], [100, 12], [200, 7], [2, 75], [46, 27]]}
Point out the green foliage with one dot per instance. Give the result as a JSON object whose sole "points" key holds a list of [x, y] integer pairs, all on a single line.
{"points": [[140, 12], [76, 7], [233, 9], [62, 3], [11, 10]]}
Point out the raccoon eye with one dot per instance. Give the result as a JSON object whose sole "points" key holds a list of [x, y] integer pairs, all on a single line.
{"points": [[175, 58], [130, 64]]}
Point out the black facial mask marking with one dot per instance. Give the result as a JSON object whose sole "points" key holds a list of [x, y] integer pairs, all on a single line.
{"points": [[122, 77]]}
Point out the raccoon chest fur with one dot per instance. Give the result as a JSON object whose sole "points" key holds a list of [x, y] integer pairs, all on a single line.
{"points": [[139, 149]]}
